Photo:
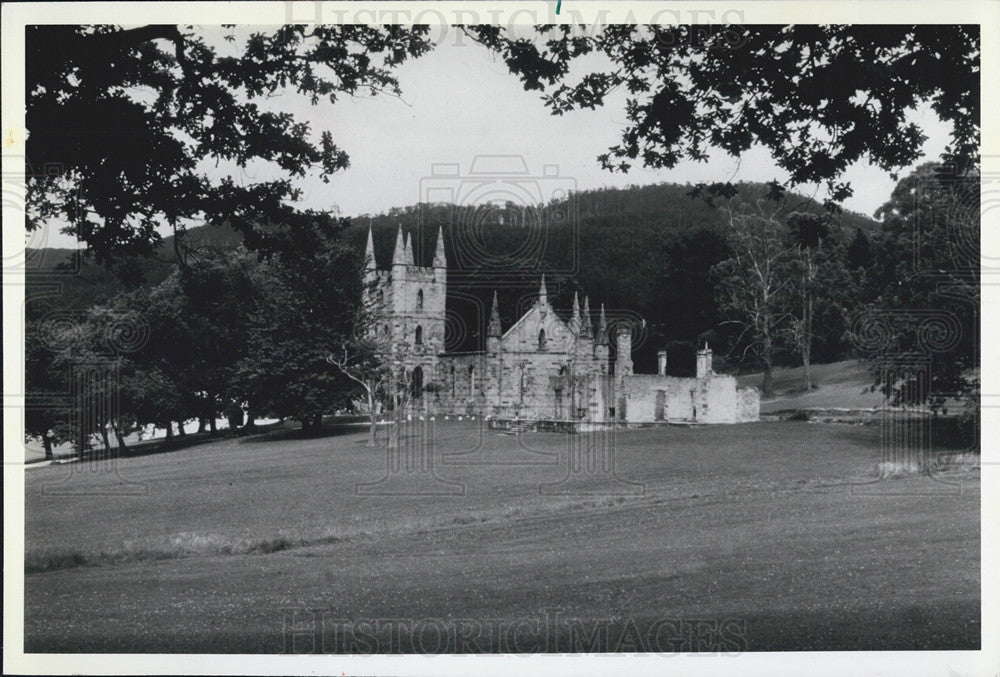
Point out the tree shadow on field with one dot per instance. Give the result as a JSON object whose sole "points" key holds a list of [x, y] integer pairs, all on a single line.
{"points": [[337, 427], [161, 445]]}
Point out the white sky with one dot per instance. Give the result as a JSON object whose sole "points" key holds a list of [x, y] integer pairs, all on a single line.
{"points": [[459, 102]]}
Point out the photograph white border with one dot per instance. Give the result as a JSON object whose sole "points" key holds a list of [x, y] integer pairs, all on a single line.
{"points": [[15, 16]]}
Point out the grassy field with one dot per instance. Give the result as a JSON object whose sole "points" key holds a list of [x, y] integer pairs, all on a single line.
{"points": [[771, 531], [835, 385]]}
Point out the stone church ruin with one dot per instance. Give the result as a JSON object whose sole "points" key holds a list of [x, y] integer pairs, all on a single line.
{"points": [[553, 372]]}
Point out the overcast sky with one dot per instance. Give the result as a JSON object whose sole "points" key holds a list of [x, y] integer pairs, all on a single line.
{"points": [[459, 102]]}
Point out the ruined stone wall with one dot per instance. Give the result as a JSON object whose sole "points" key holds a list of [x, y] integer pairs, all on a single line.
{"points": [[520, 385], [651, 398], [715, 399], [748, 404]]}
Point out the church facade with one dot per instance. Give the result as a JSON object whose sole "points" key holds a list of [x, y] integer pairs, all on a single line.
{"points": [[542, 368]]}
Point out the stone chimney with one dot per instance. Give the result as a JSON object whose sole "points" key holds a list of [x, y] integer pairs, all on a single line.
{"points": [[704, 362]]}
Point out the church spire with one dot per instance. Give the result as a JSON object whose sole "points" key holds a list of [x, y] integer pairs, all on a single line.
{"points": [[439, 259], [602, 328], [399, 253], [494, 326], [574, 322], [408, 249], [542, 294], [587, 327], [370, 252]]}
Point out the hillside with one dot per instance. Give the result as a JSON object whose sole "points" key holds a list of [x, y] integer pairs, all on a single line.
{"points": [[643, 250], [84, 283], [838, 385]]}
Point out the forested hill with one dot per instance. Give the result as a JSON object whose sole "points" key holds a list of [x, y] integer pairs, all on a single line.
{"points": [[643, 250]]}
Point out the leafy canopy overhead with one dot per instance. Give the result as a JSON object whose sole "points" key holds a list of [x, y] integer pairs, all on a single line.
{"points": [[818, 97], [137, 117]]}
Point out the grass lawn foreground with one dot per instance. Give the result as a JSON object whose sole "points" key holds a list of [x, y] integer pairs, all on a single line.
{"points": [[763, 536]]}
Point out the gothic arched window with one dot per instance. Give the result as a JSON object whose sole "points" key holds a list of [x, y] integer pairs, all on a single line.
{"points": [[541, 340], [420, 299], [417, 382], [452, 380], [472, 379], [419, 339]]}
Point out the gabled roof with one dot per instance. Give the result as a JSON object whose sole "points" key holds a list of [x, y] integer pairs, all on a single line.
{"points": [[533, 308]]}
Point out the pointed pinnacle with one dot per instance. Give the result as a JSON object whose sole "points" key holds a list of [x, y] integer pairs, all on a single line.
{"points": [[602, 327], [400, 251], [494, 326], [370, 251], [439, 259], [587, 326], [408, 249]]}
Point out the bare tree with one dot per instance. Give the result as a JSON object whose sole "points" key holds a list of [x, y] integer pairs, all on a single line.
{"points": [[754, 284], [365, 367], [365, 357], [808, 234]]}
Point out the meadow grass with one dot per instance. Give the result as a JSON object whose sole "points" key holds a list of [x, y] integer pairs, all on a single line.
{"points": [[776, 523]]}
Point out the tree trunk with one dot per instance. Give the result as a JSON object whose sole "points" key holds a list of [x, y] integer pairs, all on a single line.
{"points": [[806, 376], [313, 423], [397, 422], [105, 440], [180, 429], [372, 417], [768, 360], [47, 443], [169, 427], [211, 426], [807, 320], [119, 437], [201, 424], [249, 423], [81, 442]]}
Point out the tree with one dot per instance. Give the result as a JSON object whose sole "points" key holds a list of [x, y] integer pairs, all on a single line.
{"points": [[364, 358], [926, 266], [44, 417], [307, 310], [753, 284], [818, 97], [808, 233], [364, 365], [208, 303], [135, 117], [86, 362]]}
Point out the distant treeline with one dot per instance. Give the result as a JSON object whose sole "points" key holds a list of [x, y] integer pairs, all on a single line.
{"points": [[642, 251]]}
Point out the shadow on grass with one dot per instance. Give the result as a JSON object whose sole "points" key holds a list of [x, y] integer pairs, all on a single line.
{"points": [[161, 446], [332, 427]]}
